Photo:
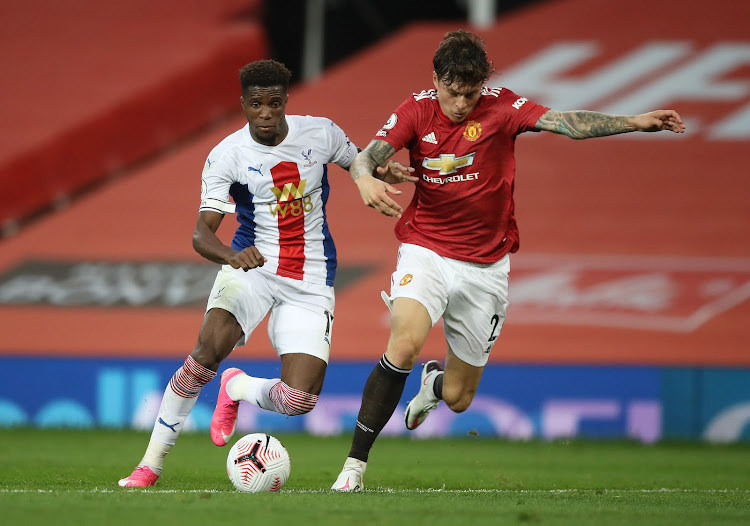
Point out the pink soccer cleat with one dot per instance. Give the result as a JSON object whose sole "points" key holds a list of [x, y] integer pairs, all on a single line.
{"points": [[225, 415], [141, 477]]}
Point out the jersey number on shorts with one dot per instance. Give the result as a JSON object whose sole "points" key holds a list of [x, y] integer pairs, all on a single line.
{"points": [[329, 321], [494, 321]]}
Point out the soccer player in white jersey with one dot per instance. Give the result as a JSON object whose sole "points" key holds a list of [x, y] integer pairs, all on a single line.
{"points": [[282, 260], [458, 231]]}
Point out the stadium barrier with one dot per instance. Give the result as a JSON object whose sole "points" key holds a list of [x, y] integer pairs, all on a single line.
{"points": [[514, 401]]}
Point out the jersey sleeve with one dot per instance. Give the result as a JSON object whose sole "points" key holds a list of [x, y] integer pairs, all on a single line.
{"points": [[398, 131], [523, 113], [343, 150], [215, 183]]}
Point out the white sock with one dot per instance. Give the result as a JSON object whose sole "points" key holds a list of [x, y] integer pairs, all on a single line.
{"points": [[154, 456], [179, 399], [253, 390], [173, 412]]}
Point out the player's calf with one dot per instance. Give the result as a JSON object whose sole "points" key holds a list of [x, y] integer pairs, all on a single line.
{"points": [[291, 401]]}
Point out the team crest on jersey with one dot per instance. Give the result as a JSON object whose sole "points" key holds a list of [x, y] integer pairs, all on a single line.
{"points": [[307, 156], [406, 280], [473, 131]]}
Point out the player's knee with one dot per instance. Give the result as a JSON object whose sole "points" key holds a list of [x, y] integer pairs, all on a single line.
{"points": [[459, 401], [460, 406], [290, 401], [207, 356], [403, 351], [216, 338], [210, 353]]}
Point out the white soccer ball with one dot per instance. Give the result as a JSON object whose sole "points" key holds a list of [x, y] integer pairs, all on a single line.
{"points": [[258, 462]]}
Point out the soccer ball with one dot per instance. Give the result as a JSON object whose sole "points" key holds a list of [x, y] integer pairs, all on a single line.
{"points": [[258, 462]]}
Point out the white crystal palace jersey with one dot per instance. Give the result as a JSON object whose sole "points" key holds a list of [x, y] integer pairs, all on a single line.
{"points": [[463, 202], [280, 194]]}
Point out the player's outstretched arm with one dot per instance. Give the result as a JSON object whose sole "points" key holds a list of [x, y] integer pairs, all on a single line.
{"points": [[207, 244], [588, 124], [374, 191]]}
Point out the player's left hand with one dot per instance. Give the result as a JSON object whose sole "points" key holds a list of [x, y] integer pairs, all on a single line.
{"points": [[659, 120], [393, 172]]}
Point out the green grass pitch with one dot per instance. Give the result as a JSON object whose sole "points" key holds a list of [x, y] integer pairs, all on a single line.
{"points": [[70, 477]]}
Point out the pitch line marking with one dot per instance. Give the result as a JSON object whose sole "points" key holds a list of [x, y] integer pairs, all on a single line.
{"points": [[389, 490]]}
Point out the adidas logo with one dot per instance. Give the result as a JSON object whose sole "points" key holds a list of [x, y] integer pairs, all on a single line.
{"points": [[430, 137]]}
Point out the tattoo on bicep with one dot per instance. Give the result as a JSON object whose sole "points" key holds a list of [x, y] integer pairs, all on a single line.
{"points": [[583, 124]]}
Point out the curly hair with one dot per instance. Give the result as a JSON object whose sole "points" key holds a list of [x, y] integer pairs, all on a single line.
{"points": [[264, 74], [461, 58]]}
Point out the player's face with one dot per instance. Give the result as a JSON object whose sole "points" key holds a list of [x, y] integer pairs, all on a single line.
{"points": [[264, 109], [456, 100]]}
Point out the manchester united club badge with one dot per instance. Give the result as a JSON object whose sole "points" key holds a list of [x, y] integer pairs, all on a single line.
{"points": [[473, 131]]}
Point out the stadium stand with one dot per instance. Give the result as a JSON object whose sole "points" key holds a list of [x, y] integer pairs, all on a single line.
{"points": [[89, 88], [650, 235]]}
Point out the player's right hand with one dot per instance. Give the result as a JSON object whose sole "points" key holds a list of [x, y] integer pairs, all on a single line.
{"points": [[246, 259]]}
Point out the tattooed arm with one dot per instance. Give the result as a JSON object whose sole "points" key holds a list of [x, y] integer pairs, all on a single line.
{"points": [[374, 178], [376, 153], [588, 124]]}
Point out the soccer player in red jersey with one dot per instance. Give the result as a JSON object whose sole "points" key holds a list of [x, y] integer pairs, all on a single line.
{"points": [[458, 231]]}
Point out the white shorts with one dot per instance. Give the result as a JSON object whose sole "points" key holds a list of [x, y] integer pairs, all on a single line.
{"points": [[301, 313], [471, 298]]}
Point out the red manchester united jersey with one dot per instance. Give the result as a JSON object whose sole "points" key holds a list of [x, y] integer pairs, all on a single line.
{"points": [[463, 203]]}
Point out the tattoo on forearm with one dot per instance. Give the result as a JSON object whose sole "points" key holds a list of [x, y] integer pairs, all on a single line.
{"points": [[584, 124], [376, 153]]}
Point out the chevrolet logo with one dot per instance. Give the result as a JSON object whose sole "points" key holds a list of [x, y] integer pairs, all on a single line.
{"points": [[448, 163]]}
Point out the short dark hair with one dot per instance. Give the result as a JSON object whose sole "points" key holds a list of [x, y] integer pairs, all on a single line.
{"points": [[461, 58], [265, 74]]}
